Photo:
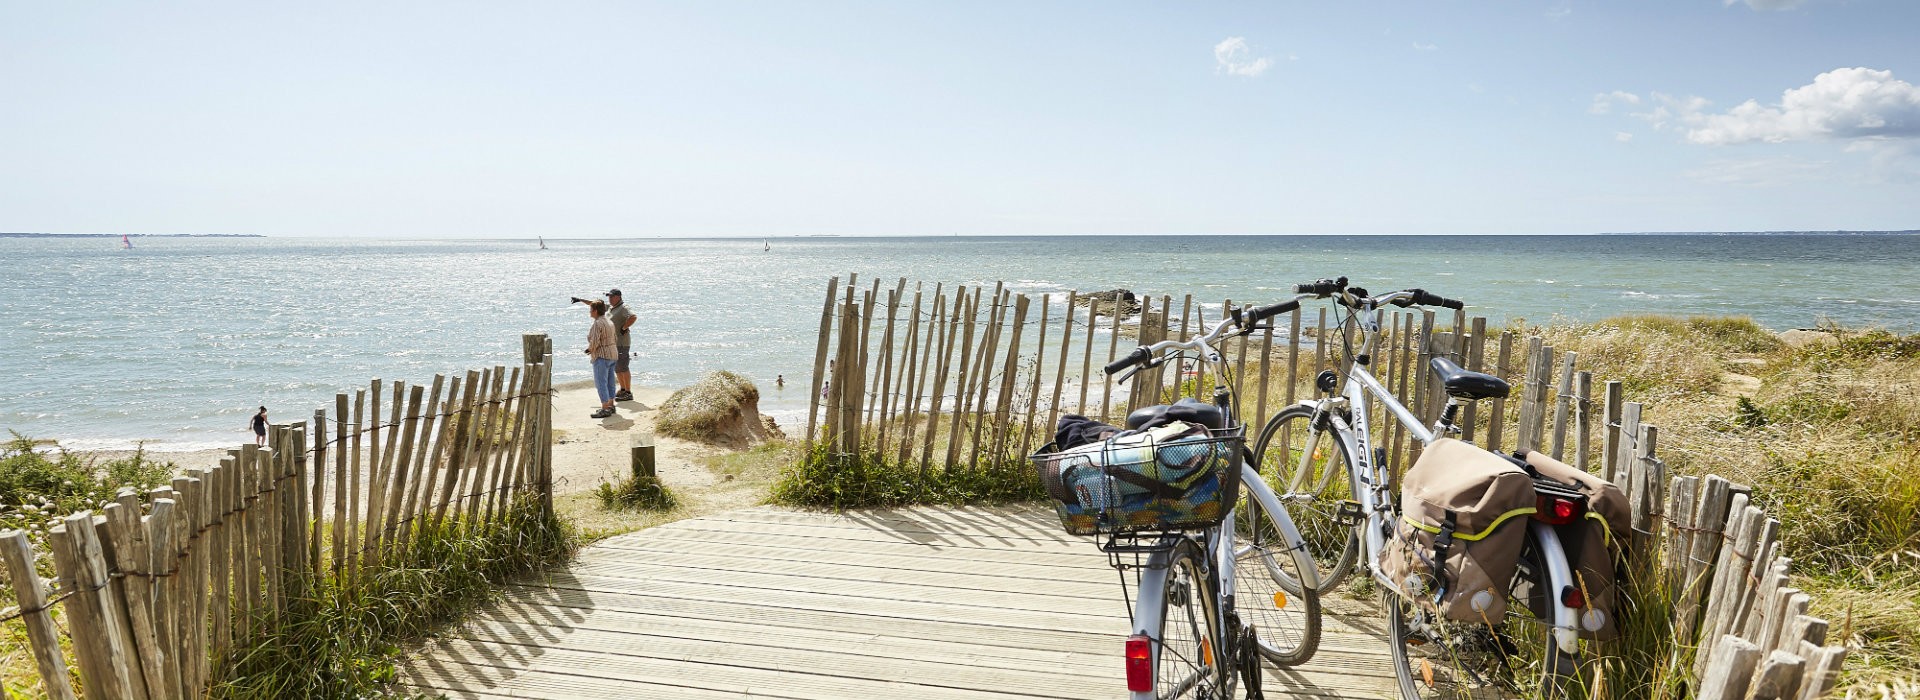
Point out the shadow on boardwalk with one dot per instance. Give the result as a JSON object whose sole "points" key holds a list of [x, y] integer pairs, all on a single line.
{"points": [[934, 603]]}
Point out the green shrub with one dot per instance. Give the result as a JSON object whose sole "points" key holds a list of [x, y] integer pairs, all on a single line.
{"points": [[823, 479], [63, 482], [636, 493]]}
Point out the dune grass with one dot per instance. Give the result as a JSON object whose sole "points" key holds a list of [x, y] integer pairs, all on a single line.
{"points": [[343, 639], [699, 412], [37, 485], [636, 493], [1829, 440], [822, 478]]}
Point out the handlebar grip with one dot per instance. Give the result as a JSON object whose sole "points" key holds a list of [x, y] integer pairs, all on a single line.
{"points": [[1265, 312], [1426, 298], [1139, 355], [1322, 287]]}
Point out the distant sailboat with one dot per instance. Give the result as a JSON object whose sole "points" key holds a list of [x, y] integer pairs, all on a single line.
{"points": [[543, 242], [125, 242], [764, 245]]}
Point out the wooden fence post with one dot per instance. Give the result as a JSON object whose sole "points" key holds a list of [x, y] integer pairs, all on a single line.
{"points": [[1476, 360], [1562, 405], [1583, 419], [820, 359], [92, 617], [1732, 671], [1610, 440], [31, 594], [1027, 445], [1060, 372], [1504, 370]]}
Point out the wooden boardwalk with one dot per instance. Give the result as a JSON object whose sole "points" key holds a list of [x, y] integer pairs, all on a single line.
{"points": [[917, 603]]}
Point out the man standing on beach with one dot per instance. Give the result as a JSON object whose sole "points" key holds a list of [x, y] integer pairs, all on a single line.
{"points": [[622, 319]]}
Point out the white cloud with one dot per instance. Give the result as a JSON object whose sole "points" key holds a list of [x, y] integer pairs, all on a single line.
{"points": [[1417, 46], [1560, 10], [1768, 4], [1603, 102], [1622, 136], [1759, 172], [1846, 103], [1664, 110], [1234, 58]]}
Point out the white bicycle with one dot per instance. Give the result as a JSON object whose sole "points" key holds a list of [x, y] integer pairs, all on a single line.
{"points": [[1215, 602], [1320, 453]]}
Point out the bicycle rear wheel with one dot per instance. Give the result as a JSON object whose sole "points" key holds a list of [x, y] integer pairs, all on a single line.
{"points": [[1270, 591], [1516, 656], [1312, 488], [1186, 664]]}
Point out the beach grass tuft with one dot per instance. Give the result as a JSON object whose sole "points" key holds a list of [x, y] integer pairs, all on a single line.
{"points": [[342, 639], [702, 411], [1829, 440], [636, 493], [823, 478]]}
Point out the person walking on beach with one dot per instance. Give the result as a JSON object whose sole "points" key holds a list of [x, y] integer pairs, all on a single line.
{"points": [[622, 319], [260, 427], [601, 348]]}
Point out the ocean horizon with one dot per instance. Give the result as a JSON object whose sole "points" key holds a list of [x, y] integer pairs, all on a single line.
{"points": [[178, 340]]}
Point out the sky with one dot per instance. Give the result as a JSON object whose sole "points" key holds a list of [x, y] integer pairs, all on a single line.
{"points": [[717, 118]]}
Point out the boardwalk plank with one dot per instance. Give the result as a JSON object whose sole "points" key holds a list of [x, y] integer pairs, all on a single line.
{"points": [[976, 603]]}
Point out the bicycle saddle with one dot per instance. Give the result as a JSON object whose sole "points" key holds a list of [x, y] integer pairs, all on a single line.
{"points": [[1188, 410], [1468, 385]]}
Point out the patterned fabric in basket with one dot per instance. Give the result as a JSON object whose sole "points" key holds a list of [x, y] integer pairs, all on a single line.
{"points": [[1187, 484]]}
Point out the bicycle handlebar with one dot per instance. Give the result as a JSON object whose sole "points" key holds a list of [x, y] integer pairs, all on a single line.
{"points": [[1139, 355], [1322, 287], [1423, 297], [1263, 313]]}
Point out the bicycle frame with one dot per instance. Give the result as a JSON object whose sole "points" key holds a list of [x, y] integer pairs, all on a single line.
{"points": [[1355, 431], [1216, 542]]}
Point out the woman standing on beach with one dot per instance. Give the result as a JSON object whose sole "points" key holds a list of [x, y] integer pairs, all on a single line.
{"points": [[601, 346], [260, 427]]}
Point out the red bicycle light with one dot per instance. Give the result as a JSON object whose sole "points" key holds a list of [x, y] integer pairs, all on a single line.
{"points": [[1573, 598], [1553, 510], [1139, 663]]}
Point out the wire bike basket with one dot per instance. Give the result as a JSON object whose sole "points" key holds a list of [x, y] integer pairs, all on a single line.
{"points": [[1125, 485]]}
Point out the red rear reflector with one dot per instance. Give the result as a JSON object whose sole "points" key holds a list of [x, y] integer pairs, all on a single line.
{"points": [[1556, 511], [1573, 598], [1139, 664]]}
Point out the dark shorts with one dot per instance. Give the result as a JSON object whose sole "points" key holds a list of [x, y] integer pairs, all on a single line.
{"points": [[621, 358]]}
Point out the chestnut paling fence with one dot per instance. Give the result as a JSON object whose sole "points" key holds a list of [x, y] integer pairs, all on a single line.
{"points": [[154, 600], [969, 377]]}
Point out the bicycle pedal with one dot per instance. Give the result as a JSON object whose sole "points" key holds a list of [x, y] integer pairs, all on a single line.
{"points": [[1350, 513]]}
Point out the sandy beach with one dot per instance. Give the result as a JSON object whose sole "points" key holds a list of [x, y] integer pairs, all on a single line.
{"points": [[586, 451]]}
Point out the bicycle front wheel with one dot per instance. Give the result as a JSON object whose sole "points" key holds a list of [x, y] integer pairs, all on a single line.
{"points": [[1515, 656], [1308, 468], [1186, 664], [1270, 590]]}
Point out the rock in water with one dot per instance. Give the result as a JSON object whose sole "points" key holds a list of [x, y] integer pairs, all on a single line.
{"points": [[722, 408], [1105, 302]]}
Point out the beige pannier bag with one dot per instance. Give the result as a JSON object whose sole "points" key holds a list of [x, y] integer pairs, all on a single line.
{"points": [[1463, 521], [1594, 543]]}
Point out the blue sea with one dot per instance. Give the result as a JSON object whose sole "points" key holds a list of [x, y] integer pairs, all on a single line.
{"points": [[176, 341]]}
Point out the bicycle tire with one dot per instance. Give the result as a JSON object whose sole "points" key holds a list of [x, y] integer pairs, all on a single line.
{"points": [[1335, 548], [1436, 658], [1270, 592], [1187, 664]]}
